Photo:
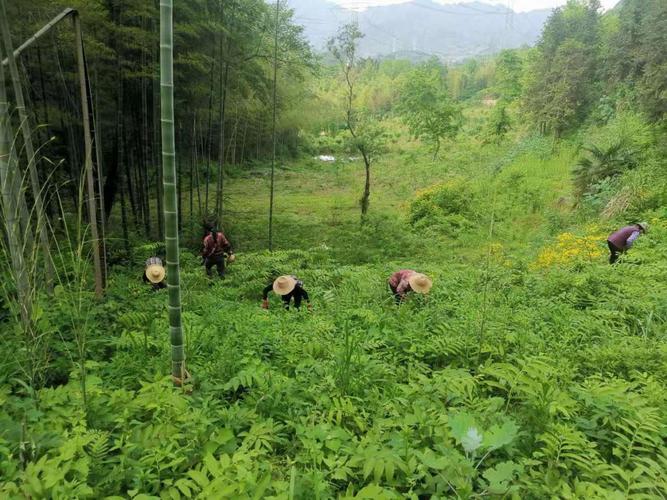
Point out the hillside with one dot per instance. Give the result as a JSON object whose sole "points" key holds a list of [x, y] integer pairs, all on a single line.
{"points": [[363, 399], [529, 187], [423, 27]]}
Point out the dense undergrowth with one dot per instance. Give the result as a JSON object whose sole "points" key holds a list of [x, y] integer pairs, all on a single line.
{"points": [[533, 370]]}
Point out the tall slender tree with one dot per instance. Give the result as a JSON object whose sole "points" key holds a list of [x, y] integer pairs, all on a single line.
{"points": [[367, 135], [170, 194], [11, 201], [27, 142], [273, 131]]}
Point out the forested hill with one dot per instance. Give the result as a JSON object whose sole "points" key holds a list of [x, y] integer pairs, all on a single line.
{"points": [[424, 28]]}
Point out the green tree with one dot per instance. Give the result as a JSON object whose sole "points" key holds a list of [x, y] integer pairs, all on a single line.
{"points": [[367, 135], [637, 55], [426, 107], [499, 123], [561, 83], [509, 68]]}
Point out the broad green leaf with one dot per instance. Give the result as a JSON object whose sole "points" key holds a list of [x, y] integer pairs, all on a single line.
{"points": [[213, 466], [199, 477], [500, 476], [460, 423], [498, 436]]}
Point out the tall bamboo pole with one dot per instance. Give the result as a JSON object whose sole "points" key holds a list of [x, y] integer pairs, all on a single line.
{"points": [[97, 123], [27, 143], [273, 158], [169, 183], [88, 158], [12, 200]]}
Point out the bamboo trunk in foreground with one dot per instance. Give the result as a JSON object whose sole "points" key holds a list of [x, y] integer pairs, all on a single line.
{"points": [[169, 183]]}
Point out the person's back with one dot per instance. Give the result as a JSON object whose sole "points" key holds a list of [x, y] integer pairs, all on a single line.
{"points": [[288, 288], [407, 280], [621, 240], [215, 245]]}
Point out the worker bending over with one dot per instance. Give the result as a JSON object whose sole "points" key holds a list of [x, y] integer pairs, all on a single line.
{"points": [[154, 273], [288, 287], [620, 241], [407, 280]]}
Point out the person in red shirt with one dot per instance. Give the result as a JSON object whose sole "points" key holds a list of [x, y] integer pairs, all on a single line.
{"points": [[407, 280], [620, 241], [216, 245]]}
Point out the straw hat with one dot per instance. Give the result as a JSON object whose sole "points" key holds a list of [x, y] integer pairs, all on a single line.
{"points": [[284, 285], [155, 273], [420, 283], [644, 226]]}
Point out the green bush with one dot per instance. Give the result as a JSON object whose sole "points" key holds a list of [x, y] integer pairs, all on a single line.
{"points": [[446, 207]]}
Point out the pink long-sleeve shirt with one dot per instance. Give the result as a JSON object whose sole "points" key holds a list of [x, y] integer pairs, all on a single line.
{"points": [[400, 281]]}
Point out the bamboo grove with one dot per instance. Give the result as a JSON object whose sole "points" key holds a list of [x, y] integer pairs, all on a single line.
{"points": [[223, 73]]}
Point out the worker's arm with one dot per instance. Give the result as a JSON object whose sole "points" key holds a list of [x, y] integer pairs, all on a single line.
{"points": [[226, 245], [632, 239], [265, 296], [403, 287], [304, 296]]}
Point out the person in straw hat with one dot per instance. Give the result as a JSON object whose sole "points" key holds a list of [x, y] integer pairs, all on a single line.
{"points": [[620, 241], [288, 287], [407, 280], [154, 273]]}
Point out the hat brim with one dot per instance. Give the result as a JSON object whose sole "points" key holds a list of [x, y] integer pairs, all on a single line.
{"points": [[155, 273], [420, 283], [284, 285]]}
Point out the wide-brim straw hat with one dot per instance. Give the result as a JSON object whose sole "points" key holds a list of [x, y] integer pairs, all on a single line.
{"points": [[155, 273], [284, 285], [420, 283], [644, 226]]}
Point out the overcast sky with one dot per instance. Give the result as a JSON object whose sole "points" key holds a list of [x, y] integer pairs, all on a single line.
{"points": [[518, 5]]}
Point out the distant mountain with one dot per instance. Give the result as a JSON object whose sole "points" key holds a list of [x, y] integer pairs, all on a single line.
{"points": [[422, 28]]}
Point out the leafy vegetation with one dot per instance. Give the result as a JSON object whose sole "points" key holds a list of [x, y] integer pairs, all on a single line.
{"points": [[533, 369]]}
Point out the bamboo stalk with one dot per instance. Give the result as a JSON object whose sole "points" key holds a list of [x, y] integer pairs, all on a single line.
{"points": [[29, 147], [88, 158], [169, 183], [12, 200], [43, 31], [100, 183], [273, 158]]}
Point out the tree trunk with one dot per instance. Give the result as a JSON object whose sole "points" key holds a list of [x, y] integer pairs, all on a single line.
{"points": [[12, 199], [28, 145], [366, 197], [169, 181], [145, 154], [88, 159], [273, 129], [219, 202], [209, 138], [155, 94]]}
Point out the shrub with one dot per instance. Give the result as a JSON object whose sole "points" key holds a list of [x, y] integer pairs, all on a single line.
{"points": [[601, 164], [447, 206]]}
